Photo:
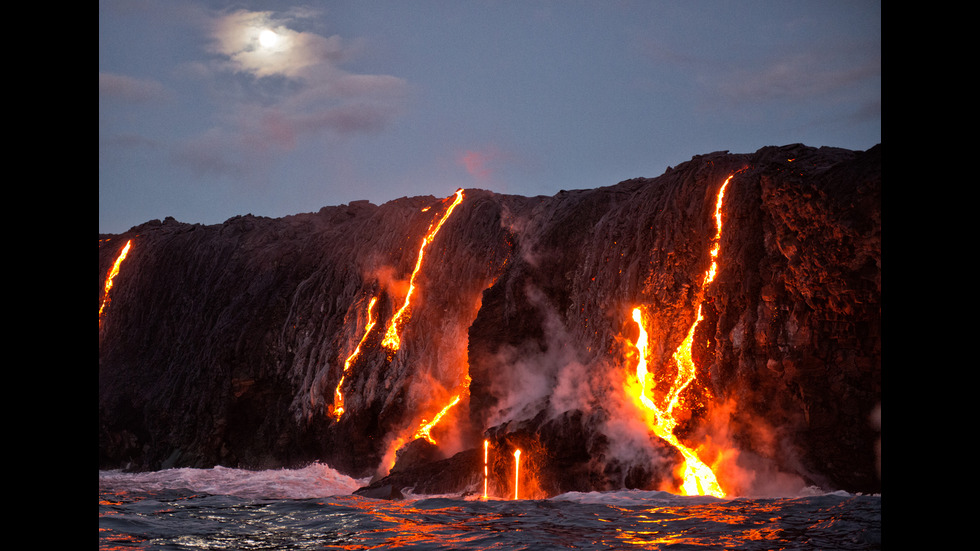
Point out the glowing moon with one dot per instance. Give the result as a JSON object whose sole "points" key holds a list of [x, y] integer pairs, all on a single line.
{"points": [[268, 38]]}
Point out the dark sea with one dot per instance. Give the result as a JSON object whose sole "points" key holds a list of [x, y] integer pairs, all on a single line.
{"points": [[312, 508]]}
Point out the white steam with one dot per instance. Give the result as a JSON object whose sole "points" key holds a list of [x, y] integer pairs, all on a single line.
{"points": [[540, 375]]}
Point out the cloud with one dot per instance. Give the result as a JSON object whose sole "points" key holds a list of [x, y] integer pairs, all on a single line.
{"points": [[130, 89], [212, 152], [271, 95], [295, 54], [798, 77]]}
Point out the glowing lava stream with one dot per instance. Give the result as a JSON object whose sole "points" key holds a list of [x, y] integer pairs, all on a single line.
{"points": [[111, 276], [426, 427], [698, 477], [517, 470], [392, 341], [423, 431], [338, 399], [486, 445]]}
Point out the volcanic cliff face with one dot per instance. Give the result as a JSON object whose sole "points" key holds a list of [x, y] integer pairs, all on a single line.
{"points": [[225, 344]]}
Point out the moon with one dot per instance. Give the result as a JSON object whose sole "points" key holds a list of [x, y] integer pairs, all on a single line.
{"points": [[268, 38]]}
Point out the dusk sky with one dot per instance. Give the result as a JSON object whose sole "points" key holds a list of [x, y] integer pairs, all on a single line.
{"points": [[209, 110]]}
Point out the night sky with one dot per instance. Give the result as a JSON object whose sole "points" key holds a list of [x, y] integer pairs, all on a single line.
{"points": [[209, 110]]}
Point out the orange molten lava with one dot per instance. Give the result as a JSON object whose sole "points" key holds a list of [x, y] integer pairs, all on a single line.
{"points": [[486, 445], [517, 470], [716, 244], [111, 276], [424, 431], [338, 401], [392, 341], [698, 477], [426, 427]]}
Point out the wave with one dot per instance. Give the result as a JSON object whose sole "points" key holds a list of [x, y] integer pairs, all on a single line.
{"points": [[318, 480], [313, 481]]}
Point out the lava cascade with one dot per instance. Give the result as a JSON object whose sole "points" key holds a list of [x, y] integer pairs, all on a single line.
{"points": [[111, 276], [392, 340], [517, 473], [338, 404], [426, 427], [698, 478]]}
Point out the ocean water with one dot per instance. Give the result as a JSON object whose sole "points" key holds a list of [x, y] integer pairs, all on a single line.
{"points": [[312, 508]]}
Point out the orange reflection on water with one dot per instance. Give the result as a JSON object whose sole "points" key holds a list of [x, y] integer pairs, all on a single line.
{"points": [[111, 540], [719, 523], [408, 526], [114, 540]]}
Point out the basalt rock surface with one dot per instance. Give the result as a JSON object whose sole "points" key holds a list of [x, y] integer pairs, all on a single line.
{"points": [[224, 344]]}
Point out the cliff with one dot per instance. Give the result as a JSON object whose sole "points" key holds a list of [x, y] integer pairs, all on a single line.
{"points": [[225, 344]]}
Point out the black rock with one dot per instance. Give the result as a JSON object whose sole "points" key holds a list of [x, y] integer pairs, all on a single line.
{"points": [[224, 344]]}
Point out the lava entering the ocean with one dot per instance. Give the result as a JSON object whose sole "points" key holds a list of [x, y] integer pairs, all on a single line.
{"points": [[517, 472], [392, 339], [698, 478]]}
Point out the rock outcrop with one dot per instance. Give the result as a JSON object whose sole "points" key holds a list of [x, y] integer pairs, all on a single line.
{"points": [[224, 344]]}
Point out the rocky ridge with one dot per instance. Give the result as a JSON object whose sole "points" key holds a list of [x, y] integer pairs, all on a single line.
{"points": [[224, 344]]}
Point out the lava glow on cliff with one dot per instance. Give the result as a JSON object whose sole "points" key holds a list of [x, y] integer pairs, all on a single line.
{"points": [[426, 427], [424, 432], [392, 341], [338, 400], [111, 276], [662, 414]]}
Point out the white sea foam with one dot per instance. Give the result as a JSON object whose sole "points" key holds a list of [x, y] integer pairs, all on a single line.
{"points": [[313, 481]]}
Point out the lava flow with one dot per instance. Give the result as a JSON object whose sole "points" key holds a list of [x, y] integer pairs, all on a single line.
{"points": [[486, 446], [426, 426], [698, 478], [338, 401], [111, 276], [517, 471], [391, 340]]}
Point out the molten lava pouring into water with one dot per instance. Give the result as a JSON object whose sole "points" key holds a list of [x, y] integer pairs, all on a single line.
{"points": [[392, 341], [338, 402], [517, 471], [698, 477], [486, 446], [111, 276]]}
